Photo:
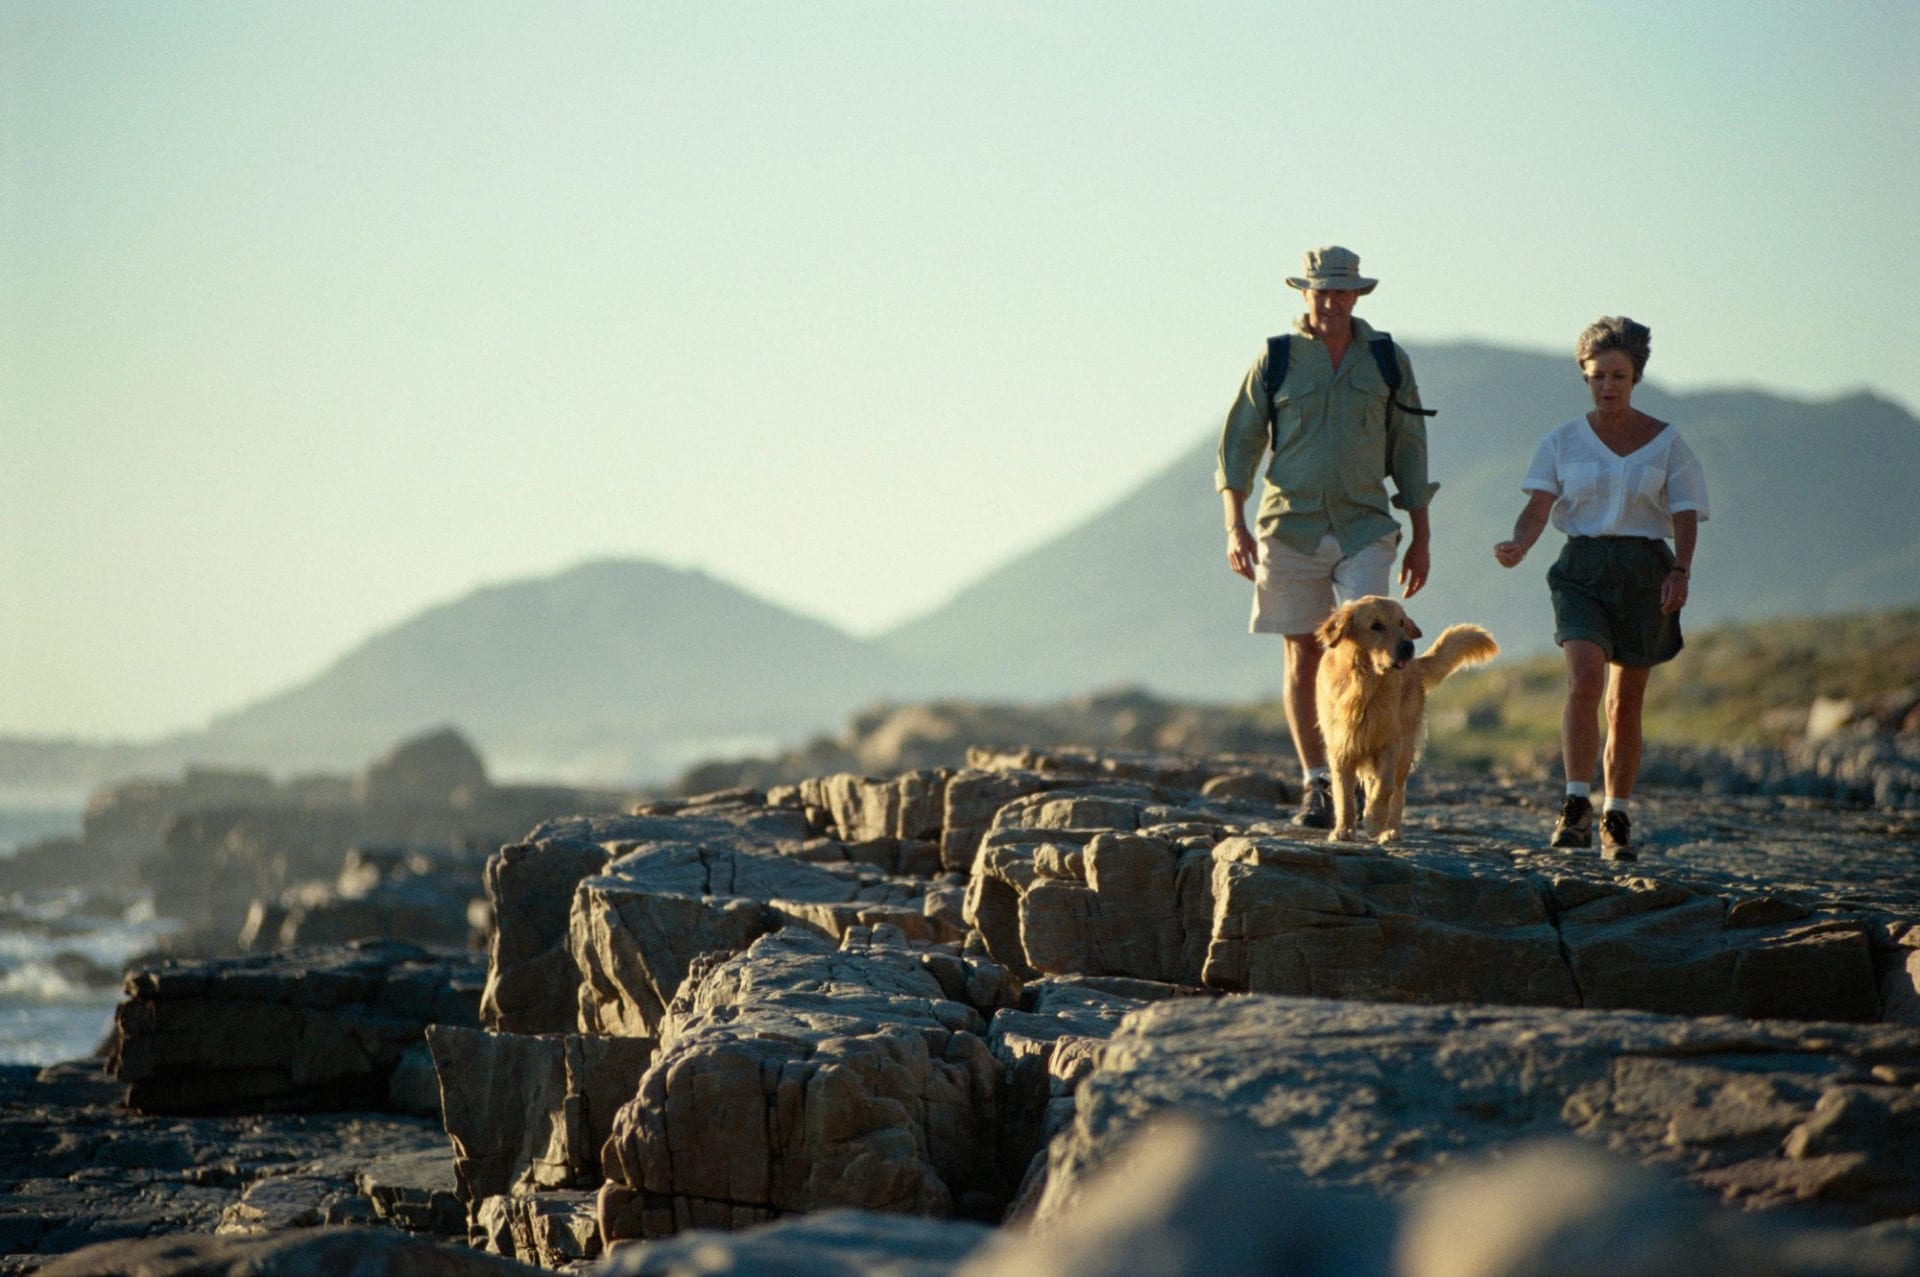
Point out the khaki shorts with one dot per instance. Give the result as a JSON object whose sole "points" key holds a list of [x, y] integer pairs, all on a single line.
{"points": [[1294, 592]]}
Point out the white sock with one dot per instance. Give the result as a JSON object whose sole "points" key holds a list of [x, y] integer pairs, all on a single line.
{"points": [[1579, 789], [1319, 773], [1615, 804]]}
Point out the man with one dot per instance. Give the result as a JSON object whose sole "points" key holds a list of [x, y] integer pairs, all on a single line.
{"points": [[1337, 430]]}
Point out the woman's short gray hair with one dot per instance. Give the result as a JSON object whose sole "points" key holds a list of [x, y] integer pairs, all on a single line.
{"points": [[1615, 332]]}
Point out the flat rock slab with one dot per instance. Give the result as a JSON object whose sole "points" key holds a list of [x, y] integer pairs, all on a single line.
{"points": [[737, 818], [307, 1028], [299, 1254], [1439, 925], [1377, 1096], [1189, 1198], [77, 1169], [1812, 853], [1111, 882]]}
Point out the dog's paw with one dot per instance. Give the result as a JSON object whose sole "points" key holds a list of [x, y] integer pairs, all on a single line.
{"points": [[1386, 836], [1340, 835]]}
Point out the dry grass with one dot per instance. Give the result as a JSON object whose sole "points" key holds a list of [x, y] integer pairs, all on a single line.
{"points": [[1748, 683]]}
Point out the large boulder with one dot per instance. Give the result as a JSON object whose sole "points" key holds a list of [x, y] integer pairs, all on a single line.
{"points": [[637, 927], [531, 978], [213, 842], [434, 770], [422, 896], [695, 875], [556, 1229], [530, 1113], [1293, 917], [858, 808], [972, 800], [1104, 902], [798, 1076], [124, 822], [213, 863], [318, 1028]]}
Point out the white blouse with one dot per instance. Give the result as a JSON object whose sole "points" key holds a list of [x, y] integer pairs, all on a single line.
{"points": [[1602, 494]]}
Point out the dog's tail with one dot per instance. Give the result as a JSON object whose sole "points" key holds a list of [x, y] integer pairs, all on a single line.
{"points": [[1457, 645]]}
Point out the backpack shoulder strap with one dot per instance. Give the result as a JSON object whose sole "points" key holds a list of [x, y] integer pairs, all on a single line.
{"points": [[1382, 344], [1278, 349]]}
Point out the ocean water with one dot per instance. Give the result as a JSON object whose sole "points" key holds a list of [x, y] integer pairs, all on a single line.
{"points": [[61, 953], [21, 825]]}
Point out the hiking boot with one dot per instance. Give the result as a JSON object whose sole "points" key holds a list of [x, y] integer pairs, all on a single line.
{"points": [[1316, 806], [1616, 836], [1576, 824]]}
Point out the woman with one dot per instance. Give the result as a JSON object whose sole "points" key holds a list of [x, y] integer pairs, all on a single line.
{"points": [[1618, 483]]}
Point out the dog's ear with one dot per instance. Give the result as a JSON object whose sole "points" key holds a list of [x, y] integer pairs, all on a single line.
{"points": [[1335, 627], [1413, 631]]}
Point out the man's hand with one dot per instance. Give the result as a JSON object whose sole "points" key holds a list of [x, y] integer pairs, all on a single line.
{"points": [[1509, 553], [1241, 551], [1413, 568]]}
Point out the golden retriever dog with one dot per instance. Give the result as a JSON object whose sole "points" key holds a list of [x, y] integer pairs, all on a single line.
{"points": [[1373, 704]]}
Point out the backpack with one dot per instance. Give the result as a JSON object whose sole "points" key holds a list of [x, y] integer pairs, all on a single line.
{"points": [[1278, 349]]}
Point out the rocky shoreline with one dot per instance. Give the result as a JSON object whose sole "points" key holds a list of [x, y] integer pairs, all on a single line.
{"points": [[1056, 1010]]}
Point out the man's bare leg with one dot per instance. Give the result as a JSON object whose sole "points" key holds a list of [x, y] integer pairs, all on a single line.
{"points": [[1302, 700]]}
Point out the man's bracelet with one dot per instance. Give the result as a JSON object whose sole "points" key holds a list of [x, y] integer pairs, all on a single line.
{"points": [[1677, 568]]}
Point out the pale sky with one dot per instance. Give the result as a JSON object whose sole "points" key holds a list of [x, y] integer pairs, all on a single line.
{"points": [[316, 314]]}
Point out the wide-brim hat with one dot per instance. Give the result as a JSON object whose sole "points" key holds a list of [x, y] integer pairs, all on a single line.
{"points": [[1332, 269]]}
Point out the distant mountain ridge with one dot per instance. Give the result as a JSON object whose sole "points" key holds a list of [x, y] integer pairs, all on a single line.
{"points": [[1812, 512], [611, 668]]}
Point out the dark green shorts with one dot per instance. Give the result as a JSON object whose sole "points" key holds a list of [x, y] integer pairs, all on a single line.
{"points": [[1607, 590]]}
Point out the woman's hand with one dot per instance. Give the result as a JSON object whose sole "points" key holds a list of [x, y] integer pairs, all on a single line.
{"points": [[1673, 591], [1241, 551], [1526, 529]]}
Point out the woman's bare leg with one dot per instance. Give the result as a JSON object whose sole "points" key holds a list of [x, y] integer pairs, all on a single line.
{"points": [[1626, 696], [1580, 719]]}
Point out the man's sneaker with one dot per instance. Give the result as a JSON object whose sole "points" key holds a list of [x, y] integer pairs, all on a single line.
{"points": [[1316, 806], [1616, 836], [1576, 823]]}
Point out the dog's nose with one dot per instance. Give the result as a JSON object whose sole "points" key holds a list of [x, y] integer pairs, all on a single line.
{"points": [[1403, 650]]}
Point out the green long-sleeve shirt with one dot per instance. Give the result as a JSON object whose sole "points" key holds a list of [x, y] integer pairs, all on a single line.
{"points": [[1334, 445]]}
